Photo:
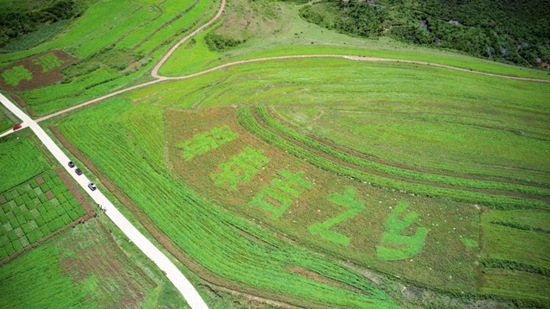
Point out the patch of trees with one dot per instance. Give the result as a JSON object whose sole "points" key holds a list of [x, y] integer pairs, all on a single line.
{"points": [[218, 42], [516, 31], [20, 20]]}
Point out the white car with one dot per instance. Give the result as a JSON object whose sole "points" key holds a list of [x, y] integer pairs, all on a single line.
{"points": [[92, 186]]}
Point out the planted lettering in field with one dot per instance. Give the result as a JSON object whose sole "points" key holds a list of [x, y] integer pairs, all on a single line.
{"points": [[240, 168], [346, 200], [396, 246], [48, 62], [204, 142], [281, 191], [16, 74]]}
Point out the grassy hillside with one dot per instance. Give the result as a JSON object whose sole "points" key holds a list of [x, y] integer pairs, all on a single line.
{"points": [[421, 220]]}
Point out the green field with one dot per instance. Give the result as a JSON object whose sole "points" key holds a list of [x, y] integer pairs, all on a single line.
{"points": [[318, 182]]}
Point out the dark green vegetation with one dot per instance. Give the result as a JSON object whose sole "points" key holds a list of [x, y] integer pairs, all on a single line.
{"points": [[504, 30], [18, 18]]}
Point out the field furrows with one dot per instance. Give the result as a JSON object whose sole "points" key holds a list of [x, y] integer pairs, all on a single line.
{"points": [[375, 164], [250, 122]]}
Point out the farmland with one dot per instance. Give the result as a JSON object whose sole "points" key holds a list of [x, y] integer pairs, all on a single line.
{"points": [[320, 182], [110, 54], [50, 241]]}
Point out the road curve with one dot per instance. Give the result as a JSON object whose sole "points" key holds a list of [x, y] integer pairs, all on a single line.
{"points": [[172, 272], [190, 35]]}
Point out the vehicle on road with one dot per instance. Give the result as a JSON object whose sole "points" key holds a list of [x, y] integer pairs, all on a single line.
{"points": [[71, 164], [92, 186], [17, 126], [78, 171]]}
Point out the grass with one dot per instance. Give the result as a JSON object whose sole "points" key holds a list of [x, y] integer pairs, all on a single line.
{"points": [[20, 160], [252, 264]]}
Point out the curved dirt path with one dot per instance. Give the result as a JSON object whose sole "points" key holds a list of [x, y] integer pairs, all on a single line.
{"points": [[190, 35], [240, 62]]}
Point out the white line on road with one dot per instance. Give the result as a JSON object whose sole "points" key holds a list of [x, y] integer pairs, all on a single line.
{"points": [[172, 272]]}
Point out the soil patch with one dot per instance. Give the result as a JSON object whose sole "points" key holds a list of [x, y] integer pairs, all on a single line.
{"points": [[49, 195], [315, 276], [39, 180], [2, 199], [18, 100], [40, 70]]}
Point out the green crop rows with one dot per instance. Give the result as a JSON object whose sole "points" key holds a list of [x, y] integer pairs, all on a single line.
{"points": [[249, 122], [20, 161], [28, 214], [206, 232], [394, 171]]}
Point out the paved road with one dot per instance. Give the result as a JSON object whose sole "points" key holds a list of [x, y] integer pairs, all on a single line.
{"points": [[174, 275]]}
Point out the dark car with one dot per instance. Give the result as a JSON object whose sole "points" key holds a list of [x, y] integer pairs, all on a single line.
{"points": [[78, 171], [92, 186], [71, 164]]}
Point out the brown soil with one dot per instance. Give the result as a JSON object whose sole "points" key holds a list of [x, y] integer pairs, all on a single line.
{"points": [[2, 199], [18, 100], [39, 180], [49, 195], [39, 78]]}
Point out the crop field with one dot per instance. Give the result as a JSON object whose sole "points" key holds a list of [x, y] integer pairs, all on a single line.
{"points": [[114, 42], [35, 200], [252, 258], [34, 210], [315, 182], [74, 261]]}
